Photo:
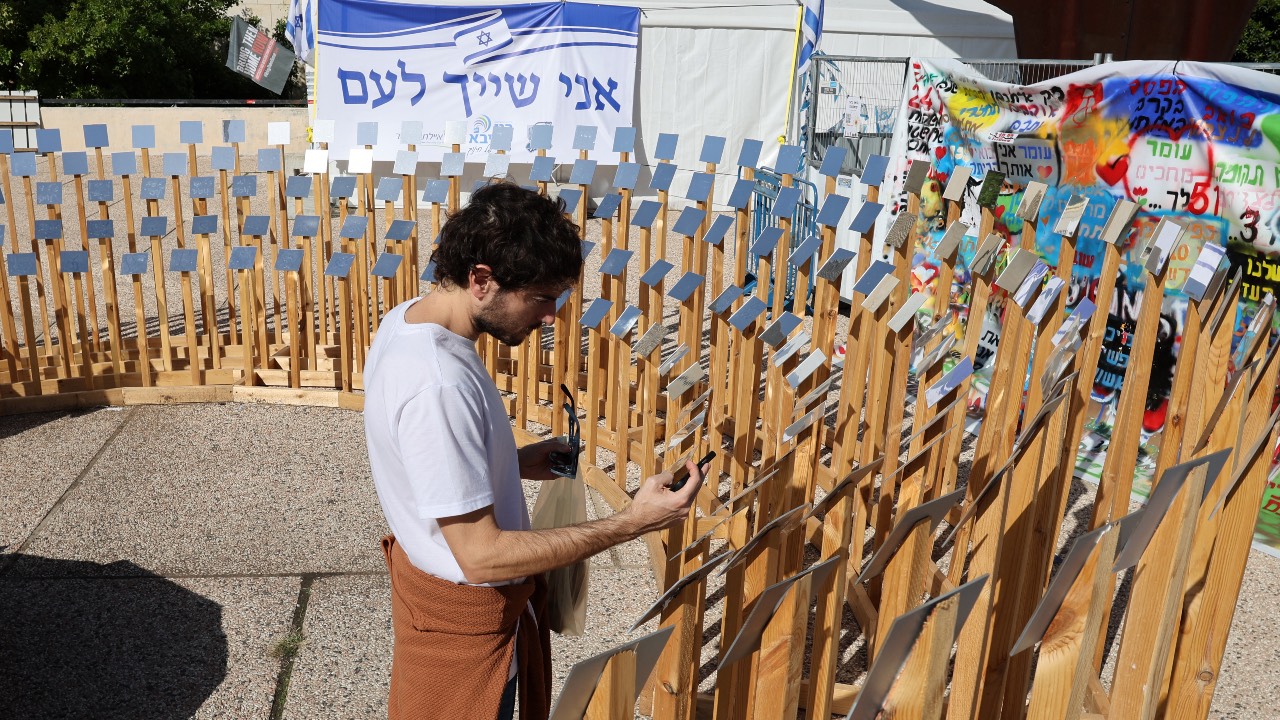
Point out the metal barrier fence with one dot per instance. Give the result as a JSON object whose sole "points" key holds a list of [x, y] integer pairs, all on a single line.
{"points": [[804, 224]]}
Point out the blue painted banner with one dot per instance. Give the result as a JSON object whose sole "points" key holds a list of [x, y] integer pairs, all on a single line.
{"points": [[565, 63]]}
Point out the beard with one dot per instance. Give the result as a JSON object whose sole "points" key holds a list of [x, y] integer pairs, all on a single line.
{"points": [[497, 322]]}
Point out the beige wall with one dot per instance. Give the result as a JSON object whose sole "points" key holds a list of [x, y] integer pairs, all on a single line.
{"points": [[269, 10], [120, 122]]}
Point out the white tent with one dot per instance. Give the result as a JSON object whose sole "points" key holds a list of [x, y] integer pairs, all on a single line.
{"points": [[709, 68]]}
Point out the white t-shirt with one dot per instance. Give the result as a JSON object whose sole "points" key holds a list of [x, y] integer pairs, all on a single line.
{"points": [[439, 438]]}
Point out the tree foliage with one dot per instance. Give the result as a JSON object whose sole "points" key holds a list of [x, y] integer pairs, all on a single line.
{"points": [[1260, 41], [116, 49]]}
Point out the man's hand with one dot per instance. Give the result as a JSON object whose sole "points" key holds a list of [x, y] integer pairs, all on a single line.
{"points": [[656, 506], [534, 461]]}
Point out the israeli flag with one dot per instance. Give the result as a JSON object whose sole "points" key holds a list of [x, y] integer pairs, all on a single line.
{"points": [[302, 30], [810, 32], [484, 39]]}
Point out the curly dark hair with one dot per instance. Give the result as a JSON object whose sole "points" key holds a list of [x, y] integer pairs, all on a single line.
{"points": [[522, 235]]}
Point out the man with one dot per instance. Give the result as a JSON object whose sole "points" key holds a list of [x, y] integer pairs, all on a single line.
{"points": [[466, 570]]}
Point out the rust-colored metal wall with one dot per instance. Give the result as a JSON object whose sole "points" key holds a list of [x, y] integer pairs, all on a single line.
{"points": [[1128, 29]]}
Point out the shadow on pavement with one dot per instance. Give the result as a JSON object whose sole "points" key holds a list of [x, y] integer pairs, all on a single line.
{"points": [[73, 645]]}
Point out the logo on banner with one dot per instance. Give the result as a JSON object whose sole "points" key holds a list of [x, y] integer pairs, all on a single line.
{"points": [[483, 40], [480, 131]]}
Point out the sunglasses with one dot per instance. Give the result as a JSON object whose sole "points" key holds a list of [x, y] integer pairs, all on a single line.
{"points": [[565, 464]]}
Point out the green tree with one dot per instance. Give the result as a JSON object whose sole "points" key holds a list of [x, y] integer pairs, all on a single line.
{"points": [[108, 49], [1260, 41]]}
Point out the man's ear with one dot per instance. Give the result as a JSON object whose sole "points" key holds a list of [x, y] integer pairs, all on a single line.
{"points": [[481, 281]]}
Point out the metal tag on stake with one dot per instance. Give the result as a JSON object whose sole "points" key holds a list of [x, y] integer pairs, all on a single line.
{"points": [[676, 356], [749, 155], [790, 348], [595, 313], [876, 297], [584, 676], [1202, 273], [144, 137], [1029, 206], [932, 512], [540, 136], [339, 264], [916, 176], [95, 136], [101, 191], [385, 266], [1058, 588], [626, 322], [626, 176], [989, 193], [153, 226], [685, 286], [571, 196], [950, 381], [624, 139], [257, 225], [354, 227], [874, 170], [1075, 322], [1163, 240], [805, 251], [1136, 535], [406, 163], [208, 224], [101, 229], [784, 206], [587, 247], [295, 186], [50, 193], [616, 262], [747, 313], [900, 230], [48, 140], [497, 165], [767, 242], [76, 261], [663, 174], [790, 159], [436, 192], [190, 132], [322, 131], [957, 183], [135, 263], [870, 279], [342, 187], [683, 382], [951, 240], [689, 221], [741, 193], [360, 161], [122, 163], [833, 210], [716, 232], [899, 642], [583, 172], [543, 165], [183, 260], [806, 368], [75, 163], [153, 188], [242, 186], [712, 150], [1016, 271], [22, 264], [656, 273], [646, 213], [1030, 283], [452, 164], [500, 138], [666, 147], [1048, 295], [1069, 222], [700, 185], [651, 340], [778, 330], [201, 188], [1118, 221], [833, 268], [748, 638], [399, 231], [985, 258], [907, 313], [725, 300], [679, 585], [866, 217], [268, 160], [939, 351], [608, 206], [584, 137], [833, 161]]}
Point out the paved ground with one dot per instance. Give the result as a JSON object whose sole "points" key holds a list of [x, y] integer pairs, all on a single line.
{"points": [[154, 561]]}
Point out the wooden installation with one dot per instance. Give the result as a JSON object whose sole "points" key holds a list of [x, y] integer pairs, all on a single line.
{"points": [[837, 416]]}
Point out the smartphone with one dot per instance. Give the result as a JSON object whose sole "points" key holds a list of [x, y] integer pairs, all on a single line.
{"points": [[682, 474]]}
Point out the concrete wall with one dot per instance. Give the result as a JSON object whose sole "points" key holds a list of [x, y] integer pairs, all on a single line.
{"points": [[120, 121], [269, 10]]}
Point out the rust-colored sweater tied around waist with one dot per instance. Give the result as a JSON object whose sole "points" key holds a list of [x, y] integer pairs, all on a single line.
{"points": [[453, 645]]}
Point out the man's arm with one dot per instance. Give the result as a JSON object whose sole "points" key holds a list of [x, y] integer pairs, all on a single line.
{"points": [[488, 554]]}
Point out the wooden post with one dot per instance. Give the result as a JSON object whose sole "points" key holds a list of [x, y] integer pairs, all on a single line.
{"points": [[614, 698]]}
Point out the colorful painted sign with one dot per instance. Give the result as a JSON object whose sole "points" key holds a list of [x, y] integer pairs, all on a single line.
{"points": [[1196, 143]]}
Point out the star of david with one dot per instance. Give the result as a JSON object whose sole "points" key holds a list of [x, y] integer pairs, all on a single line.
{"points": [[484, 38]]}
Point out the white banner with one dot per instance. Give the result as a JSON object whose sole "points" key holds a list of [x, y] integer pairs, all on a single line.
{"points": [[570, 64]]}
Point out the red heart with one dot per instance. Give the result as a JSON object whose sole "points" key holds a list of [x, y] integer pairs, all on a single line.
{"points": [[1114, 172], [998, 210], [1045, 171], [940, 152]]}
